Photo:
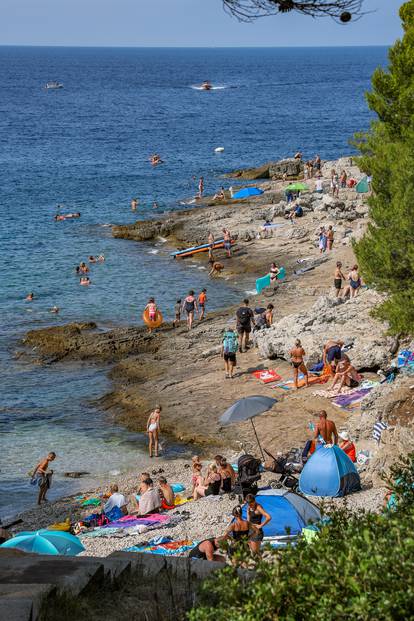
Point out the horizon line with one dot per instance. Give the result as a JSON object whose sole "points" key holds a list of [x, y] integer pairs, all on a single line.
{"points": [[192, 47]]}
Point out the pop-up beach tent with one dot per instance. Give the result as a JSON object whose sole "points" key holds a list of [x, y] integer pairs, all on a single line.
{"points": [[246, 192], [290, 512], [329, 472]]}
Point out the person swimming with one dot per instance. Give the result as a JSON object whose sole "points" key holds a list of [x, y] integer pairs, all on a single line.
{"points": [[85, 280], [30, 297], [91, 259], [101, 258], [55, 310]]}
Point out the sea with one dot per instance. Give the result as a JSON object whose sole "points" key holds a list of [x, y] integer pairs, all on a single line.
{"points": [[86, 148]]}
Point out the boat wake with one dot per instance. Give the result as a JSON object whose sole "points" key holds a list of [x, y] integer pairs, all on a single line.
{"points": [[212, 88]]}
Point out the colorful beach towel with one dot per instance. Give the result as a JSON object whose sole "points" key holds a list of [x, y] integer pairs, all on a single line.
{"points": [[343, 401], [147, 520], [172, 548], [266, 376]]}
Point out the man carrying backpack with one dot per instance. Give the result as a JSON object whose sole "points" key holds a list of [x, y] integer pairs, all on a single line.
{"points": [[244, 324], [228, 351]]}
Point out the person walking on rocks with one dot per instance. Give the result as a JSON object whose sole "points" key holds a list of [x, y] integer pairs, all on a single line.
{"points": [[338, 278], [334, 183], [153, 430], [189, 306], [228, 351], [202, 299], [296, 355], [322, 239], [245, 317]]}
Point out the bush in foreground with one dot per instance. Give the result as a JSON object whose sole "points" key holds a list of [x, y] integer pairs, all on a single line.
{"points": [[361, 567]]}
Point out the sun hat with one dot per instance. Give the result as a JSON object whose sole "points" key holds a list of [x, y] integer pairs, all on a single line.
{"points": [[344, 435]]}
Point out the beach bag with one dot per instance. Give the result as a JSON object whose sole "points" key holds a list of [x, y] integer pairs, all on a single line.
{"points": [[230, 343], [114, 514]]}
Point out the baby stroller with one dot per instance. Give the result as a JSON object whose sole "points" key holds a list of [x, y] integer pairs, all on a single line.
{"points": [[286, 466], [247, 476]]}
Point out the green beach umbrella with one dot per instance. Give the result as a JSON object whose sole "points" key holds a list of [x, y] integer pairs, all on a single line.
{"points": [[297, 187]]}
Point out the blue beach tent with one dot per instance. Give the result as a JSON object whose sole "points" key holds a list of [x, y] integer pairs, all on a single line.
{"points": [[329, 472], [245, 192], [290, 512]]}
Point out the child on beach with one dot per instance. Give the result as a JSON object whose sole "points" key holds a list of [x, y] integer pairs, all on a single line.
{"points": [[202, 299], [152, 309], [177, 313], [42, 477], [196, 471]]}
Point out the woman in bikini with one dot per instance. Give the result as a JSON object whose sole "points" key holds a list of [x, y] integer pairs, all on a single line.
{"points": [[296, 356], [152, 309], [228, 476], [273, 271], [153, 429], [210, 486], [354, 281], [257, 518], [189, 306]]}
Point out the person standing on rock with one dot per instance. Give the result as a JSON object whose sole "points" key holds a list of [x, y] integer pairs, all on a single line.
{"points": [[42, 476], [200, 187], [189, 306], [322, 239], [338, 278], [329, 238], [334, 183], [245, 317], [153, 430], [325, 430], [227, 242], [202, 299], [296, 356]]}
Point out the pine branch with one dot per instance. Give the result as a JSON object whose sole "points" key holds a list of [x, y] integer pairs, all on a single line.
{"points": [[340, 10]]}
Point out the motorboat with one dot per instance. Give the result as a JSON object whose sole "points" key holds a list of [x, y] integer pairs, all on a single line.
{"points": [[206, 86], [53, 85]]}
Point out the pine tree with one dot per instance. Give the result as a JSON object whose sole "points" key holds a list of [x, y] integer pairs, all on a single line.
{"points": [[386, 253]]}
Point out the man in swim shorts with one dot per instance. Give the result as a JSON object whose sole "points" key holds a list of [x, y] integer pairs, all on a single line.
{"points": [[43, 477], [325, 429], [227, 242], [202, 299], [338, 277], [332, 352]]}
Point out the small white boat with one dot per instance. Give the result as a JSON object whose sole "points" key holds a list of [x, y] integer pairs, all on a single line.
{"points": [[219, 149], [53, 85]]}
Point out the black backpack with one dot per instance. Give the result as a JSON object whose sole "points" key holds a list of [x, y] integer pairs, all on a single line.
{"points": [[244, 315]]}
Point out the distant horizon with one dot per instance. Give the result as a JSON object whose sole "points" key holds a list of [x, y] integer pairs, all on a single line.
{"points": [[198, 47]]}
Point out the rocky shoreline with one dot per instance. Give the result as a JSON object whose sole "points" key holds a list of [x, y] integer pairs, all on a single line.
{"points": [[183, 370]]}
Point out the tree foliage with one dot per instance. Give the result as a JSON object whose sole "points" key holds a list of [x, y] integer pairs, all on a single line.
{"points": [[361, 567], [386, 253], [341, 10]]}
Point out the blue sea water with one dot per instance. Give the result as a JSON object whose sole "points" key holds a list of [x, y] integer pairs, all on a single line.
{"points": [[87, 147]]}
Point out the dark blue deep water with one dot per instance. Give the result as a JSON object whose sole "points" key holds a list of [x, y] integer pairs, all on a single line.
{"points": [[87, 147]]}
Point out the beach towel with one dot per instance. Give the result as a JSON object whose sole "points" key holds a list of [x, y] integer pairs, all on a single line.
{"points": [[266, 376], [313, 379], [353, 397], [91, 502], [146, 520], [173, 548], [262, 283]]}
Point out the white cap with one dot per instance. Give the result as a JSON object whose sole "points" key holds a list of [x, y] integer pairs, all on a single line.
{"points": [[344, 435]]}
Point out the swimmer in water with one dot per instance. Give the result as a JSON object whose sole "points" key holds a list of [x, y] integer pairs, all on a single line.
{"points": [[134, 204], [30, 297], [59, 217], [55, 310], [85, 281], [83, 268], [155, 205], [152, 309], [92, 259], [101, 258]]}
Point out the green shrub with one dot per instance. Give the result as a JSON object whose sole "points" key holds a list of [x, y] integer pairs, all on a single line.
{"points": [[361, 567]]}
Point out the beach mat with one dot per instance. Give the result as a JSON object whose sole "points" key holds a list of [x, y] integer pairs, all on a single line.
{"points": [[146, 520], [266, 375]]}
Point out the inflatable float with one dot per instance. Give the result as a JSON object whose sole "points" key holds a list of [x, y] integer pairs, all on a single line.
{"points": [[219, 243], [152, 324]]}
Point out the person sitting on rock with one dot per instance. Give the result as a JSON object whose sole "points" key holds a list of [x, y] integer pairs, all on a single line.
{"points": [[345, 374], [166, 494], [347, 445]]}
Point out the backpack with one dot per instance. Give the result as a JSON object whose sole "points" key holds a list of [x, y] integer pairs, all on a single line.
{"points": [[244, 315], [230, 343]]}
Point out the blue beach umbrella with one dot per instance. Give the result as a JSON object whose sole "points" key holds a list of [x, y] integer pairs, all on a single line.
{"points": [[46, 542], [245, 192]]}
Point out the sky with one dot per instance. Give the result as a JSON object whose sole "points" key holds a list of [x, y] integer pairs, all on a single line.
{"points": [[182, 23]]}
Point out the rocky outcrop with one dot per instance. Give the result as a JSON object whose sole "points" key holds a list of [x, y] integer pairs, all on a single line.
{"points": [[331, 318], [286, 169], [83, 340]]}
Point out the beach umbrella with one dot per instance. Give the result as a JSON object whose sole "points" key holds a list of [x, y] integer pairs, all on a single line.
{"points": [[46, 542], [245, 192], [246, 409], [297, 187]]}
